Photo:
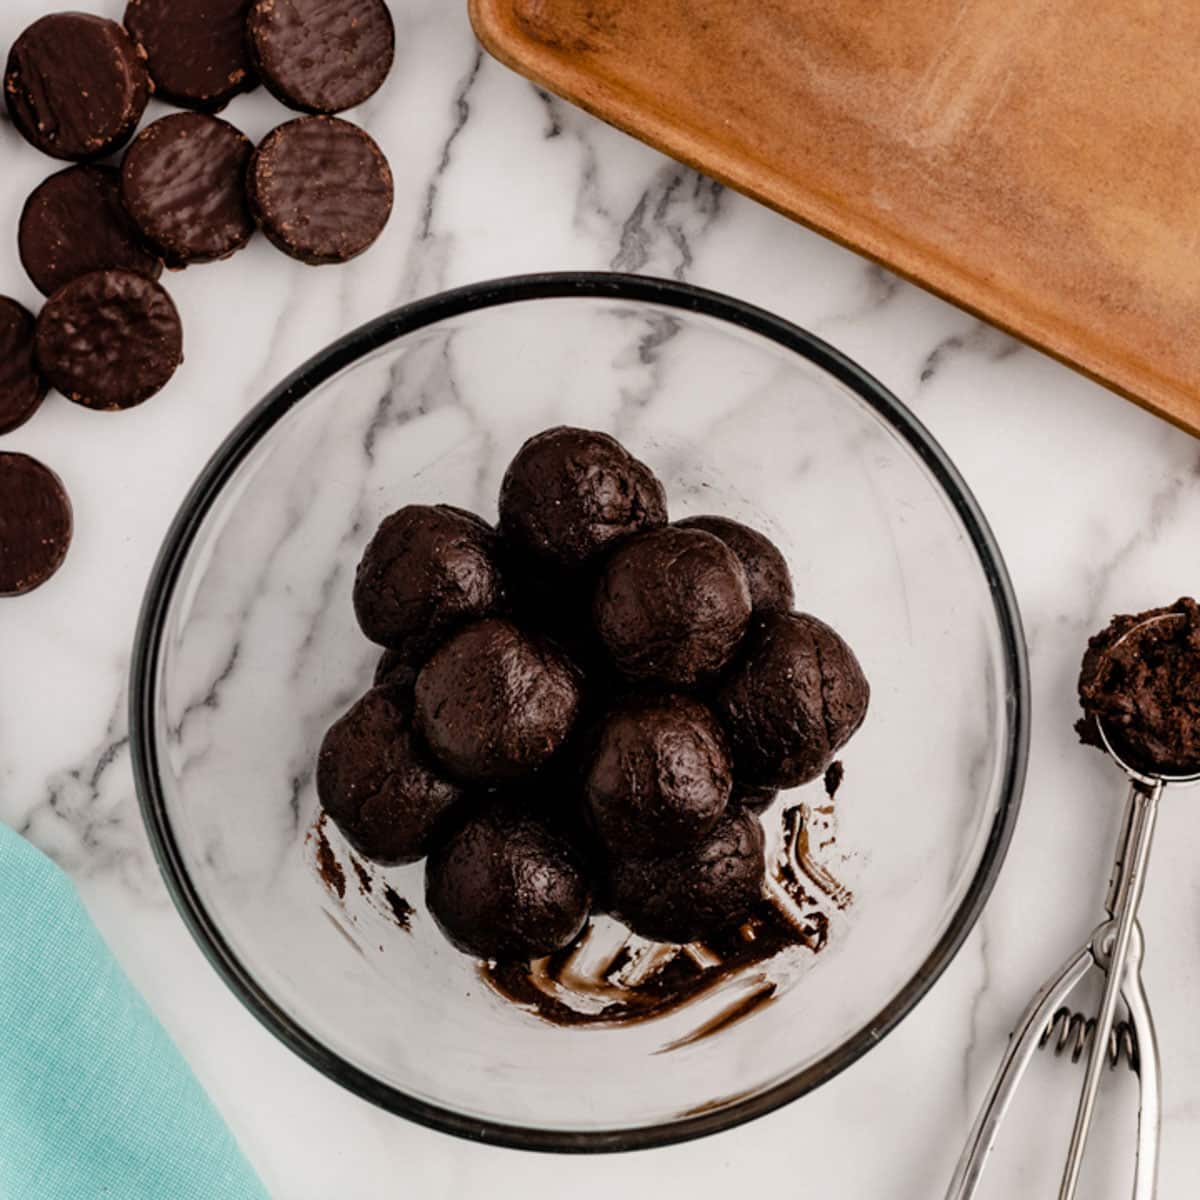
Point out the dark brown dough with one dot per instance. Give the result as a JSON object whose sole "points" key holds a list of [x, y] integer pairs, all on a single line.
{"points": [[766, 568], [756, 799], [1145, 688], [394, 668], [377, 782], [495, 703], [320, 189], [195, 50], [322, 56], [75, 85], [795, 697], [658, 775], [571, 494], [428, 570], [507, 885], [74, 223], [35, 524], [109, 340], [22, 388], [672, 606], [696, 891], [184, 183]]}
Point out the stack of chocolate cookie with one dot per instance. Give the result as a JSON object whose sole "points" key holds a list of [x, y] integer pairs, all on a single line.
{"points": [[582, 708], [192, 189]]}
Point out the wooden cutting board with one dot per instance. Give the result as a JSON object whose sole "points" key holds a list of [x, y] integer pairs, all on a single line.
{"points": [[1035, 161]]}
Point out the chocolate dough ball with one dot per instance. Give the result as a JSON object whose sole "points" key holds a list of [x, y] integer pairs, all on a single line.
{"points": [[495, 703], [672, 606], [794, 698], [376, 781], [506, 885], [426, 571], [572, 493], [1145, 687], [658, 777], [766, 568], [695, 891]]}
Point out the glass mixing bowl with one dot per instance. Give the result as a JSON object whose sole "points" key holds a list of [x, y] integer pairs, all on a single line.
{"points": [[248, 649]]}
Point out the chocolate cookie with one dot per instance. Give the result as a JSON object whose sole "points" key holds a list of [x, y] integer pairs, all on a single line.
{"points": [[22, 388], [195, 50], [795, 697], [658, 776], [571, 494], [73, 223], [109, 340], [1144, 686], [427, 570], [672, 606], [35, 524], [320, 189], [184, 183], [377, 783], [495, 703], [766, 568], [697, 891], [322, 56], [75, 85], [505, 885]]}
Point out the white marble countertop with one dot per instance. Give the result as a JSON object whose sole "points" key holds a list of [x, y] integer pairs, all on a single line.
{"points": [[1095, 504]]}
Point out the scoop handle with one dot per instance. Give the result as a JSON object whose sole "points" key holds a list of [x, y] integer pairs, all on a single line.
{"points": [[1022, 1046], [1132, 858]]}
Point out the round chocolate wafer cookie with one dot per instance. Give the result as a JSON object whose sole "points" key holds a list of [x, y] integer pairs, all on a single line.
{"points": [[75, 85], [73, 223], [195, 50], [184, 184], [35, 524], [320, 189], [322, 56], [109, 340], [22, 388]]}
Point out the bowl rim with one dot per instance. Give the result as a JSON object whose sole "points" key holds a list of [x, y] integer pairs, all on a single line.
{"points": [[671, 294]]}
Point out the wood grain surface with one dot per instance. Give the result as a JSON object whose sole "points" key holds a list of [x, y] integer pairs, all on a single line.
{"points": [[1035, 161]]}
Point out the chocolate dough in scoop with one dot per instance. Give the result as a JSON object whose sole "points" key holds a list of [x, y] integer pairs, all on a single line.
{"points": [[1145, 688]]}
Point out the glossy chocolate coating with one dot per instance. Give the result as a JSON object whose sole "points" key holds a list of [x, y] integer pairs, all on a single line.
{"points": [[184, 184], [109, 340], [22, 388], [73, 223], [75, 85], [320, 189], [321, 56], [195, 50]]}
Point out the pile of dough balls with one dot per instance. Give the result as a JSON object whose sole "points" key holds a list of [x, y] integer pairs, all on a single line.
{"points": [[581, 708]]}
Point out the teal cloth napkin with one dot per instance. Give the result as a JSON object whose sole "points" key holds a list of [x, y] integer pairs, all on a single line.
{"points": [[95, 1101]]}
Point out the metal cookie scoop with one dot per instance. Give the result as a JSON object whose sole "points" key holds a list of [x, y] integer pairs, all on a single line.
{"points": [[1116, 947]]}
